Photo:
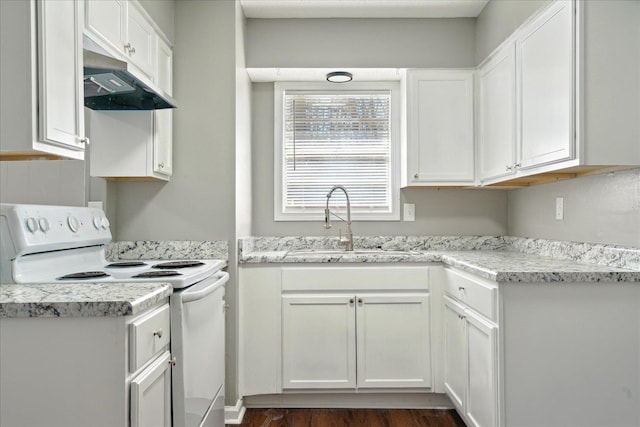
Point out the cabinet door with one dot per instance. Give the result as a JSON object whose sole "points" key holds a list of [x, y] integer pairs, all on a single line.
{"points": [[61, 92], [318, 341], [163, 142], [106, 19], [440, 128], [497, 127], [481, 407], [455, 352], [545, 62], [142, 40], [164, 75], [151, 394], [393, 333]]}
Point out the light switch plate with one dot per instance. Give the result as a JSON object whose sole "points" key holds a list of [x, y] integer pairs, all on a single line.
{"points": [[409, 212], [560, 208]]}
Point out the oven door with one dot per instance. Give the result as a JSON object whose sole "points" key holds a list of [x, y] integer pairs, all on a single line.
{"points": [[197, 342]]}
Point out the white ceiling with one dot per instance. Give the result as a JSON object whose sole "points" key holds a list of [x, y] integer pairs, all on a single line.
{"points": [[320, 74], [362, 8]]}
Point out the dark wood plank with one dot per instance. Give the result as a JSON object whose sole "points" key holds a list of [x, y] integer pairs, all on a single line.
{"points": [[351, 418]]}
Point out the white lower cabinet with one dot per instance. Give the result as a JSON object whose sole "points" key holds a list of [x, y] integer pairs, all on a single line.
{"points": [[151, 394], [86, 371], [364, 340], [318, 341], [470, 362], [343, 328]]}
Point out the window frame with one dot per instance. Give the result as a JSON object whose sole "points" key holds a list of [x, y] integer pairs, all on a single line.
{"points": [[280, 88]]}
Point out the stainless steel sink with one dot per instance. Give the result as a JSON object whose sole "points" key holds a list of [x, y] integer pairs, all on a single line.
{"points": [[310, 252]]}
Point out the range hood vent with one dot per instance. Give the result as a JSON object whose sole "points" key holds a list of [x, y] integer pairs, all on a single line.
{"points": [[110, 85]]}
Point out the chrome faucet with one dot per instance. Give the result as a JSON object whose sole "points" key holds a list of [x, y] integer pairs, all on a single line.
{"points": [[347, 240]]}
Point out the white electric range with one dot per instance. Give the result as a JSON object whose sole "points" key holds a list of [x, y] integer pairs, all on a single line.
{"points": [[57, 244]]}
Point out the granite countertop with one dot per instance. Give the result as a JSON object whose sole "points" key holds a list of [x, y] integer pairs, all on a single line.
{"points": [[80, 299], [498, 259]]}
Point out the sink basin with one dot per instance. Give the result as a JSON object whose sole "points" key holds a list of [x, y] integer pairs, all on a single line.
{"points": [[302, 252]]}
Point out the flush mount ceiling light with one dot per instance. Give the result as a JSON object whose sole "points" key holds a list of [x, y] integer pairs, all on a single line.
{"points": [[339, 77]]}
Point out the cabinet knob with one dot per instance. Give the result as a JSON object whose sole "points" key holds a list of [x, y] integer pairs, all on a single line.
{"points": [[158, 333], [132, 50], [225, 306], [508, 168], [351, 301], [127, 46], [173, 361], [359, 300], [416, 176], [84, 141], [161, 165], [461, 288], [517, 165]]}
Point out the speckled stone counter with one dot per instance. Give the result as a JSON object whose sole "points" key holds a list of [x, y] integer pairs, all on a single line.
{"points": [[170, 249], [80, 299], [494, 258]]}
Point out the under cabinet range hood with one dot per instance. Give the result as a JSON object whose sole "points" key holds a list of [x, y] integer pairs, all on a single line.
{"points": [[110, 85]]}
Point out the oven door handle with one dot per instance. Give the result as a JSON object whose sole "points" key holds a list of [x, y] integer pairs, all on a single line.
{"points": [[189, 296]]}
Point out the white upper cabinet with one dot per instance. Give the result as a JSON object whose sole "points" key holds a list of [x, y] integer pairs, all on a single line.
{"points": [[132, 144], [544, 52], [41, 80], [107, 19], [164, 58], [576, 97], [439, 143], [497, 115], [141, 41], [122, 27]]}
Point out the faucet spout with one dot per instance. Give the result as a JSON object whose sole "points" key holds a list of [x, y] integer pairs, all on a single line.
{"points": [[347, 240]]}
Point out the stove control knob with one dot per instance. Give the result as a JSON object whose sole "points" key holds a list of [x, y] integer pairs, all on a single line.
{"points": [[105, 223], [97, 222], [44, 224], [32, 224], [74, 223]]}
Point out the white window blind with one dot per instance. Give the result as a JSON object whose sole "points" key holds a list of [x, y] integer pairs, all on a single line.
{"points": [[337, 138]]}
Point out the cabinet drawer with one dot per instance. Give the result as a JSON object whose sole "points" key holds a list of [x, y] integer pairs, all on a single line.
{"points": [[148, 335], [478, 294]]}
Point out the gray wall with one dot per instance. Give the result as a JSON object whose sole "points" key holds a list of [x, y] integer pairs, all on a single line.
{"points": [[411, 43], [598, 209], [438, 212], [198, 202], [498, 20]]}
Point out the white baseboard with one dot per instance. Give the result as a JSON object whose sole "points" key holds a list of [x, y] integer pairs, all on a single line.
{"points": [[350, 400], [234, 414]]}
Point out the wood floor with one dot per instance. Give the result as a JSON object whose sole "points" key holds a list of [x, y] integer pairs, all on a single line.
{"points": [[351, 418]]}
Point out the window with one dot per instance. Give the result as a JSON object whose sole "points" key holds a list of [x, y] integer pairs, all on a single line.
{"points": [[328, 136]]}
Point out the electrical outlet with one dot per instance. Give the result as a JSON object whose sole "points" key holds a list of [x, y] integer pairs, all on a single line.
{"points": [[560, 208], [409, 212]]}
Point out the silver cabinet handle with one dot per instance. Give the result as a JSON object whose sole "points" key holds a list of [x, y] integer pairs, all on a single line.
{"points": [[127, 46], [416, 176], [173, 361], [517, 165], [132, 50], [461, 288], [158, 333], [508, 168], [161, 165]]}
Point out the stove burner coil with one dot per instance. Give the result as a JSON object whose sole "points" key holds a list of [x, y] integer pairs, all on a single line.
{"points": [[164, 273], [179, 264], [126, 264], [84, 275]]}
